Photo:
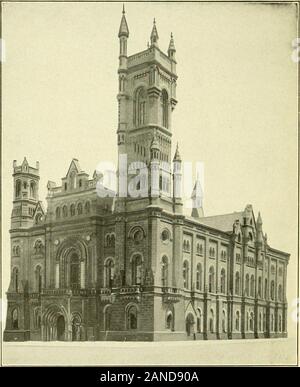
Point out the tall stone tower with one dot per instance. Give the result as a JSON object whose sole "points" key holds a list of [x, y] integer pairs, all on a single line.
{"points": [[146, 98], [26, 188]]}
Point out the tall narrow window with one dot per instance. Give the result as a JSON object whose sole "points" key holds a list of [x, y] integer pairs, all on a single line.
{"points": [[73, 179], [79, 209], [266, 288], [237, 320], [72, 210], [38, 279], [223, 281], [132, 317], [87, 207], [185, 274], [280, 293], [109, 273], [199, 277], [164, 271], [251, 322], [211, 280], [259, 287], [32, 189], [16, 279], [136, 270], [272, 290], [164, 108], [18, 188], [224, 321], [252, 284], [237, 283], [247, 285], [65, 211], [74, 271], [140, 107], [57, 213], [199, 321], [15, 319], [211, 321]]}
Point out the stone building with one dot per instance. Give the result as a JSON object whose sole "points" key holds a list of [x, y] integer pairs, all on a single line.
{"points": [[134, 267]]}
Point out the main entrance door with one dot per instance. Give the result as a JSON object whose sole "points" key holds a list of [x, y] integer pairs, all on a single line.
{"points": [[60, 328]]}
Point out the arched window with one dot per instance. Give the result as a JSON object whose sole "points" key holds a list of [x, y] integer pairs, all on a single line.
{"points": [[132, 317], [107, 318], [73, 179], [247, 321], [169, 321], [57, 213], [65, 211], [237, 283], [237, 320], [260, 322], [38, 279], [272, 290], [223, 281], [252, 283], [32, 189], [259, 287], [199, 277], [15, 277], [112, 240], [140, 107], [247, 285], [18, 188], [164, 271], [211, 280], [224, 321], [266, 288], [79, 209], [109, 273], [164, 108], [72, 210], [38, 218], [272, 322], [185, 274], [87, 207], [211, 321], [280, 323], [199, 321], [15, 318], [279, 293], [251, 321], [264, 321], [38, 247], [74, 271], [136, 270], [250, 236]]}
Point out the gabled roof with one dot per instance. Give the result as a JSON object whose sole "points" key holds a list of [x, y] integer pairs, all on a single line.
{"points": [[75, 164], [222, 222]]}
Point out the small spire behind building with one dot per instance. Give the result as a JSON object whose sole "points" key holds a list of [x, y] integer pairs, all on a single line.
{"points": [[123, 31], [154, 35], [171, 49]]}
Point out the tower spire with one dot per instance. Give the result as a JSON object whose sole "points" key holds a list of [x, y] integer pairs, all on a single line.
{"points": [[123, 30], [154, 35], [171, 49]]}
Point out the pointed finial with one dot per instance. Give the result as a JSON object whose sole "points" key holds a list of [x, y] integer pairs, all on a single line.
{"points": [[177, 155], [123, 31], [171, 49], [154, 34], [259, 221]]}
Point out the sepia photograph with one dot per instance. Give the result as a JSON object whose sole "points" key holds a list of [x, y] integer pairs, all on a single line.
{"points": [[149, 183]]}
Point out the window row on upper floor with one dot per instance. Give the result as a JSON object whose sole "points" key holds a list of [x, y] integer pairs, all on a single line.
{"points": [[73, 210]]}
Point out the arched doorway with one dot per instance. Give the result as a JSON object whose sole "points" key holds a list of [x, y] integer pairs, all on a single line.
{"points": [[76, 327], [60, 326], [189, 324]]}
